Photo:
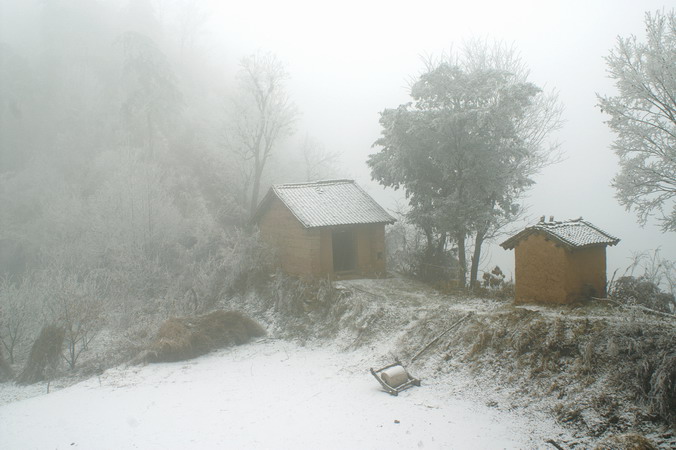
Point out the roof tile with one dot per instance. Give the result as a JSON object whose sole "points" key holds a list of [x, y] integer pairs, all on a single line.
{"points": [[330, 203], [574, 233]]}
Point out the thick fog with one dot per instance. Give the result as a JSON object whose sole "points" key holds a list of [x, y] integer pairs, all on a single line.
{"points": [[139, 137], [87, 84], [350, 61]]}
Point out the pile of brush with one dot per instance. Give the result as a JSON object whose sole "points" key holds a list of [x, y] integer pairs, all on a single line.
{"points": [[181, 338]]}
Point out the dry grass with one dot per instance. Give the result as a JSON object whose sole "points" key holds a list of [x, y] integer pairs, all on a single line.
{"points": [[635, 364], [662, 394], [188, 337], [626, 442], [596, 368]]}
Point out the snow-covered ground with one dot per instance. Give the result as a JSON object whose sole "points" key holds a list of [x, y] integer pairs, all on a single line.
{"points": [[270, 394]]}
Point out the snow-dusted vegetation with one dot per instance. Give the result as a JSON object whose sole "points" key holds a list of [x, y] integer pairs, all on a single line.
{"points": [[505, 375]]}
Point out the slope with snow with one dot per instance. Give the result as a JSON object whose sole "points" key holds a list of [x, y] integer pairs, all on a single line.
{"points": [[268, 394]]}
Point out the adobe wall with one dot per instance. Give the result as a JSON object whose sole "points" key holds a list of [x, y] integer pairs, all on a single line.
{"points": [[298, 248], [587, 273], [371, 248], [540, 271], [326, 250], [309, 252], [549, 273]]}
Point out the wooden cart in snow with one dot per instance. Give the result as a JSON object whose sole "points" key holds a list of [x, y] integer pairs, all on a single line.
{"points": [[394, 378]]}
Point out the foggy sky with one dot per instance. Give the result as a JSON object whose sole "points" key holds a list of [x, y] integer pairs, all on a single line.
{"points": [[350, 60]]}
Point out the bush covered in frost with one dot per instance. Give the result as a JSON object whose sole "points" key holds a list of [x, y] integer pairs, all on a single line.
{"points": [[642, 291]]}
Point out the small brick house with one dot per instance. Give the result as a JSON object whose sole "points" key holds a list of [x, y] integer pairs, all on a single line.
{"points": [[560, 262], [324, 228]]}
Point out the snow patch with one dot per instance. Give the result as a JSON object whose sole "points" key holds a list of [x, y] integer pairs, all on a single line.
{"points": [[271, 394]]}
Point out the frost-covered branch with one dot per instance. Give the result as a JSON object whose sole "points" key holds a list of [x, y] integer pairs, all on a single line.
{"points": [[643, 115]]}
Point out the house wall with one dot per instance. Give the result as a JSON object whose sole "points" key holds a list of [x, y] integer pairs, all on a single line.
{"points": [[540, 273], [326, 251], [371, 248], [298, 248], [549, 273], [587, 273], [309, 251]]}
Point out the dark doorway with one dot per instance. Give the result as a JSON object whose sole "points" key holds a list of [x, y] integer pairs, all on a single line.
{"points": [[344, 251]]}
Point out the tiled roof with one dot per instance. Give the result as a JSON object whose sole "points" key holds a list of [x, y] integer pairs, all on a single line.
{"points": [[572, 233], [328, 203]]}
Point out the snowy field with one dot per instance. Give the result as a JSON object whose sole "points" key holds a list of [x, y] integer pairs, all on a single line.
{"points": [[270, 395]]}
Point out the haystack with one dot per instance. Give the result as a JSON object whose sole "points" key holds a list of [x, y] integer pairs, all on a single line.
{"points": [[46, 351], [181, 338]]}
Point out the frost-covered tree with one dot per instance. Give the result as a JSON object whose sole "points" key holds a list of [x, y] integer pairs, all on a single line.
{"points": [[152, 96], [75, 305], [108, 161], [263, 115], [15, 316], [17, 143], [466, 148], [643, 115], [319, 162]]}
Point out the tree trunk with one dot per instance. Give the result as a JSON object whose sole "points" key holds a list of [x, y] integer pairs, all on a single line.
{"points": [[440, 247], [474, 271], [151, 153], [430, 241], [258, 171], [462, 260], [10, 349], [151, 146], [150, 210]]}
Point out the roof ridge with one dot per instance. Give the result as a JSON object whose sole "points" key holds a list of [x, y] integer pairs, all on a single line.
{"points": [[562, 222], [313, 183], [572, 232]]}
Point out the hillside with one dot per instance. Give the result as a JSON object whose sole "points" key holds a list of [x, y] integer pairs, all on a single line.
{"points": [[597, 369], [268, 394], [504, 376]]}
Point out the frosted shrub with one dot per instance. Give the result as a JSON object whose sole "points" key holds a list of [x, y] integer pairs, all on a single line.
{"points": [[247, 262], [643, 292], [76, 304], [44, 357], [17, 315]]}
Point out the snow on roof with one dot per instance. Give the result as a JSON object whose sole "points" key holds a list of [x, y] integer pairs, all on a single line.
{"points": [[328, 203], [575, 233]]}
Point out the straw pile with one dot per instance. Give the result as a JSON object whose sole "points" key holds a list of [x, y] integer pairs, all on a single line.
{"points": [[181, 338]]}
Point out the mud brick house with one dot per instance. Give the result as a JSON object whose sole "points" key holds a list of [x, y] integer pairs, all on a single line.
{"points": [[560, 262], [324, 228]]}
